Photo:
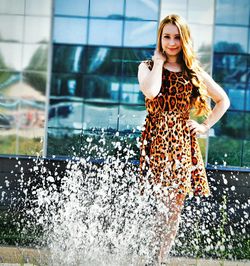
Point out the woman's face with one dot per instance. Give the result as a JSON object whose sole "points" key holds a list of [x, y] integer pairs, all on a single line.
{"points": [[170, 40]]}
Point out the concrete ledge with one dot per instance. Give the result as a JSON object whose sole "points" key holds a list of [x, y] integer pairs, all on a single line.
{"points": [[13, 256]]}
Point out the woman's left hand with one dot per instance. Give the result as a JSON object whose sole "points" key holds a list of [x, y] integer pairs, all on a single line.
{"points": [[196, 128]]}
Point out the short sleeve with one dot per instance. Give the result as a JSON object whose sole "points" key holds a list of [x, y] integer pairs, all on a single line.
{"points": [[149, 63]]}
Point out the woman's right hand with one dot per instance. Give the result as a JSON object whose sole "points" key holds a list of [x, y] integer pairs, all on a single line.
{"points": [[158, 57]]}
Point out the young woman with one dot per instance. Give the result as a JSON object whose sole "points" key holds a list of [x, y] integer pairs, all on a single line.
{"points": [[174, 83]]}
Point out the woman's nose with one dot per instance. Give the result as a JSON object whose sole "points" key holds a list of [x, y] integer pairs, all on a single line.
{"points": [[172, 41]]}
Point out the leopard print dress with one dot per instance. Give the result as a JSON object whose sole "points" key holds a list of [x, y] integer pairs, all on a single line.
{"points": [[170, 154]]}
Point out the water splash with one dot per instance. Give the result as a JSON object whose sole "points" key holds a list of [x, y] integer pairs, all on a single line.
{"points": [[94, 214]]}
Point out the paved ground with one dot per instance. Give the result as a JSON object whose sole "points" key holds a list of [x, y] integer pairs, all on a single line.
{"points": [[14, 256]]}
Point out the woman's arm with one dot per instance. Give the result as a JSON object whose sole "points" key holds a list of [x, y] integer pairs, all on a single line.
{"points": [[150, 81], [222, 103]]}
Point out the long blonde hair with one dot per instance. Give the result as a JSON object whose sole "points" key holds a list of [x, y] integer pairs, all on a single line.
{"points": [[189, 62]]}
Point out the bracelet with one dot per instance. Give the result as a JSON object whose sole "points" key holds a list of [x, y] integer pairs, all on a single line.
{"points": [[206, 126]]}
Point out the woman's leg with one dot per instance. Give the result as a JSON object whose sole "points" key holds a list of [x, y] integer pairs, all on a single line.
{"points": [[175, 203]]}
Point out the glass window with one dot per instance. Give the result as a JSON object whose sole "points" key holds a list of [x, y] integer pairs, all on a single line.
{"points": [[101, 88], [236, 93], [99, 8], [173, 7], [69, 58], [10, 56], [230, 125], [131, 92], [202, 42], [201, 12], [12, 6], [30, 142], [246, 153], [148, 9], [104, 61], [34, 86], [247, 125], [132, 58], [140, 34], [100, 116], [31, 32], [8, 142], [224, 151], [248, 98], [65, 114], [69, 85], [8, 115], [37, 7], [230, 68], [232, 12], [231, 39], [35, 57], [8, 81], [105, 32], [64, 141], [70, 30], [72, 7], [11, 28], [131, 117], [30, 118]]}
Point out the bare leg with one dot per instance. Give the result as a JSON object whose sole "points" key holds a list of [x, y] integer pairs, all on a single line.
{"points": [[174, 207]]}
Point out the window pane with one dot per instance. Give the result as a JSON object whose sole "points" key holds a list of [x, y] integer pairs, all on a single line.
{"points": [[10, 56], [202, 41], [8, 81], [246, 154], [34, 86], [30, 118], [37, 7], [68, 58], [104, 61], [142, 34], [148, 9], [248, 98], [105, 32], [131, 92], [224, 151], [65, 142], [236, 93], [231, 125], [247, 125], [65, 114], [35, 57], [11, 28], [173, 7], [12, 6], [131, 117], [72, 7], [99, 8], [31, 32], [201, 12], [8, 116], [69, 85], [227, 39], [230, 68], [70, 30], [232, 12], [101, 88], [8, 142], [98, 116], [132, 58]]}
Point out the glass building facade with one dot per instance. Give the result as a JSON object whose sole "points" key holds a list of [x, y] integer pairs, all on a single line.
{"points": [[74, 66]]}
